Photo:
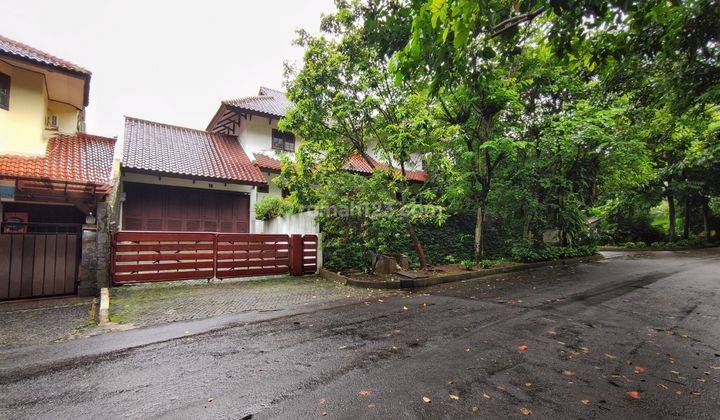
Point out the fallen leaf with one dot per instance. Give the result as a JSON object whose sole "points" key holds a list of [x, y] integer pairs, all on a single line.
{"points": [[610, 356], [639, 369], [454, 397], [426, 399], [663, 386], [487, 397], [715, 367], [475, 409], [634, 394], [365, 393], [342, 347], [586, 402], [525, 411], [405, 308], [522, 347], [568, 373], [322, 401], [695, 393], [675, 372], [528, 384]]}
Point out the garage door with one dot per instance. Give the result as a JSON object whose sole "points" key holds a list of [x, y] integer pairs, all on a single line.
{"points": [[161, 208]]}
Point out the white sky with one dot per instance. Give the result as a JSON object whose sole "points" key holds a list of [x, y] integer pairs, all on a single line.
{"points": [[167, 61]]}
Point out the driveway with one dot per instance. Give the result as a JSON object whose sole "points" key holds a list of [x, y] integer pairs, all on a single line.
{"points": [[632, 336], [42, 321], [151, 304]]}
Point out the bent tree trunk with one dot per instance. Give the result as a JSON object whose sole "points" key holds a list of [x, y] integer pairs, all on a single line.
{"points": [[671, 215], [479, 232], [418, 247], [706, 219], [686, 219]]}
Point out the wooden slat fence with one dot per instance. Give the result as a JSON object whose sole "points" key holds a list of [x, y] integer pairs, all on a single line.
{"points": [[141, 256], [35, 265]]}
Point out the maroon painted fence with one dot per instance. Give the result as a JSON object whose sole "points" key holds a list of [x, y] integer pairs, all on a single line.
{"points": [[139, 257]]}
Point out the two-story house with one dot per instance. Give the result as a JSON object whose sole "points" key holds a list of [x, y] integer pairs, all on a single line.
{"points": [[52, 173], [182, 179]]}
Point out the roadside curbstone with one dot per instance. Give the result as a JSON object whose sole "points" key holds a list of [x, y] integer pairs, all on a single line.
{"points": [[432, 281]]}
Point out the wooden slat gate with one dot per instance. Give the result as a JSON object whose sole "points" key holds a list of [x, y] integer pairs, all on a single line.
{"points": [[139, 256], [35, 265]]}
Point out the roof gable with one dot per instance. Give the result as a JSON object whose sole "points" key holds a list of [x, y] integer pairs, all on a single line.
{"points": [[27, 52], [267, 102]]}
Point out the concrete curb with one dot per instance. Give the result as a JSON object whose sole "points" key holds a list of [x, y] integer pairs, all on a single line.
{"points": [[431, 281], [646, 249], [104, 310]]}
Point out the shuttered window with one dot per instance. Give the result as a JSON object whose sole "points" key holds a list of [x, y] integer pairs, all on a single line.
{"points": [[4, 91], [283, 141]]}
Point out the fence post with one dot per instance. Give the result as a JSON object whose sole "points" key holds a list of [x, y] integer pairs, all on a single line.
{"points": [[296, 255], [215, 255]]}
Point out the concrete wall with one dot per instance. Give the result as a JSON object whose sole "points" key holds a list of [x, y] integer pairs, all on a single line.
{"points": [[300, 223], [23, 125]]}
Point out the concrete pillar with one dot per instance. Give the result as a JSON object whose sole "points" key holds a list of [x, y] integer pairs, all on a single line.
{"points": [[253, 200], [87, 272], [104, 244], [94, 270]]}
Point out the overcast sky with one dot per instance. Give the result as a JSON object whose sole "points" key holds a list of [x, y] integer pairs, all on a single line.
{"points": [[167, 61]]}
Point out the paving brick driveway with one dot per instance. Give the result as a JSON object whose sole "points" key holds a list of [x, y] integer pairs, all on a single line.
{"points": [[43, 321], [149, 304]]}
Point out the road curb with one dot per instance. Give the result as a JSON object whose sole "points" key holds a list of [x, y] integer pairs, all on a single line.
{"points": [[431, 281], [649, 249]]}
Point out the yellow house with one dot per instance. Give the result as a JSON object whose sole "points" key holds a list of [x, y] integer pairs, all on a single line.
{"points": [[52, 173]]}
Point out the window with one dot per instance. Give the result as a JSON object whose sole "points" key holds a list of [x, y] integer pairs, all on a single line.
{"points": [[4, 91], [283, 141]]}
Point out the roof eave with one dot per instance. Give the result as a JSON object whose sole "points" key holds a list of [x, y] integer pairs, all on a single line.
{"points": [[142, 171]]}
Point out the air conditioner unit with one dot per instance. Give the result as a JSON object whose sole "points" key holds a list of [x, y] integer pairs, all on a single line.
{"points": [[52, 122]]}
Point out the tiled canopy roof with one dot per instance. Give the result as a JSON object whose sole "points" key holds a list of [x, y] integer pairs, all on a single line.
{"points": [[268, 101], [162, 148], [267, 162], [79, 158], [27, 52], [355, 164]]}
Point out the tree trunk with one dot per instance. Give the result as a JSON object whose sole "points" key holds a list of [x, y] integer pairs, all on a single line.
{"points": [[418, 247], [671, 215], [479, 233], [686, 219], [706, 219]]}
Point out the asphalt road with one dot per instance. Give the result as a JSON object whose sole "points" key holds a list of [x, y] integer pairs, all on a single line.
{"points": [[633, 336]]}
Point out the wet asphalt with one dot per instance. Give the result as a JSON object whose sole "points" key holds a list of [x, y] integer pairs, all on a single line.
{"points": [[633, 336]]}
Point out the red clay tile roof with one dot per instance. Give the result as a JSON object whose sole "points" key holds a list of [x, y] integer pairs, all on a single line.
{"points": [[27, 52], [162, 148], [356, 163], [268, 102], [267, 162], [79, 158]]}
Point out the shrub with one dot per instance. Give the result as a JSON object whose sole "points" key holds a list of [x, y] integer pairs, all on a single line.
{"points": [[467, 264], [525, 252], [270, 208]]}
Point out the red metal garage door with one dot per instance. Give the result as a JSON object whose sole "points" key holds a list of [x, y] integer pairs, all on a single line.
{"points": [[161, 208]]}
